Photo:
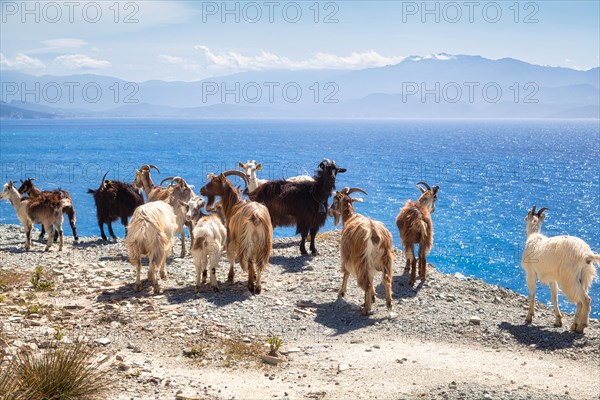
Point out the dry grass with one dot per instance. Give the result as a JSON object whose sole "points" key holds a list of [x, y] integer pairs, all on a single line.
{"points": [[11, 279], [239, 352], [66, 372]]}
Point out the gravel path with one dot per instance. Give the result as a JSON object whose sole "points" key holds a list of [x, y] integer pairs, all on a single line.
{"points": [[452, 337]]}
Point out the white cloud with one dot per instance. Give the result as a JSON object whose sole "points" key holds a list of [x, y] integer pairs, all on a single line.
{"points": [[179, 61], [266, 60], [81, 61], [21, 61]]}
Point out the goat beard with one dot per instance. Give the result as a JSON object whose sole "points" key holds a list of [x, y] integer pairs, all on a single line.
{"points": [[211, 201]]}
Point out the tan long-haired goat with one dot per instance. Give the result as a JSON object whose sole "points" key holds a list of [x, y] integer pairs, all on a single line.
{"points": [[366, 248], [415, 226], [249, 229], [564, 261], [45, 210], [150, 233]]}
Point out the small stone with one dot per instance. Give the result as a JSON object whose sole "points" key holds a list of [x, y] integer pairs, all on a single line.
{"points": [[475, 321], [103, 341], [343, 367]]}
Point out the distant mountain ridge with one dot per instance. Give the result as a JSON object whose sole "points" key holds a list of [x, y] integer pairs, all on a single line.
{"points": [[434, 86]]}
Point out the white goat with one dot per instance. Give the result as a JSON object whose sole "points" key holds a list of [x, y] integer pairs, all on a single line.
{"points": [[250, 168], [44, 209], [150, 233], [560, 260], [209, 239]]}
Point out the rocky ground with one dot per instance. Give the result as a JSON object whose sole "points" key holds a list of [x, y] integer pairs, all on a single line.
{"points": [[451, 338]]}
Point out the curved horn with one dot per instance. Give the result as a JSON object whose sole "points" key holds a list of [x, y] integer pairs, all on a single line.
{"points": [[168, 178], [155, 167], [533, 209], [424, 184], [237, 173], [324, 163], [541, 211], [104, 177], [354, 190]]}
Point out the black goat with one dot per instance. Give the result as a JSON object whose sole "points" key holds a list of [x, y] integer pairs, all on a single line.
{"points": [[114, 200], [303, 204], [27, 187]]}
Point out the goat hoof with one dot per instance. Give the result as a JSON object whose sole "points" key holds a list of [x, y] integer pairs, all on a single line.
{"points": [[573, 326], [257, 290], [366, 312], [411, 283], [341, 294], [157, 290], [251, 287], [137, 287], [197, 289], [557, 324], [388, 304], [314, 253], [215, 288], [229, 278]]}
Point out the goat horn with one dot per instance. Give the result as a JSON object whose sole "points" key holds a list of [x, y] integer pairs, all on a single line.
{"points": [[424, 184], [237, 173], [354, 190], [104, 177], [541, 211], [155, 167], [533, 209], [168, 178], [324, 163]]}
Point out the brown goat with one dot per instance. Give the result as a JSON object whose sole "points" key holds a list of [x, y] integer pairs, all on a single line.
{"points": [[415, 226], [366, 248], [249, 229], [27, 187]]}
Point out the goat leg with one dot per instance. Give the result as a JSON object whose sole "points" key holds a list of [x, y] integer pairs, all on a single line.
{"points": [[110, 230], [313, 235]]}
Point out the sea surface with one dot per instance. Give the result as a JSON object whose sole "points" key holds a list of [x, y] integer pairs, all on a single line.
{"points": [[490, 173]]}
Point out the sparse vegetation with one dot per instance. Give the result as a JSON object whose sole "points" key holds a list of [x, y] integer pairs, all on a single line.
{"points": [[66, 372], [236, 351], [194, 352], [39, 280], [275, 343], [58, 335], [9, 279]]}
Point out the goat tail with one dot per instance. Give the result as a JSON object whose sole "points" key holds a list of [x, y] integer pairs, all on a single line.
{"points": [[593, 258]]}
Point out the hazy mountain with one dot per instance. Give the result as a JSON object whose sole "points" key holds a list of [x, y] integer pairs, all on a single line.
{"points": [[442, 85]]}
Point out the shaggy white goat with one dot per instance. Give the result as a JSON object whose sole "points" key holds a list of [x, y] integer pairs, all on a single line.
{"points": [[150, 233], [209, 238], [564, 261], [250, 168]]}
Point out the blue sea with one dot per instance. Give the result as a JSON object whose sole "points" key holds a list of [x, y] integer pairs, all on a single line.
{"points": [[489, 172]]}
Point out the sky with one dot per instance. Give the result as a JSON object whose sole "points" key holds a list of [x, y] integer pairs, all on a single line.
{"points": [[187, 41]]}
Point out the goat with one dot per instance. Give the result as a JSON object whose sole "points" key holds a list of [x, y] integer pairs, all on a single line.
{"points": [[564, 261], [249, 229], [44, 209], [114, 200], [172, 194], [150, 233], [303, 204], [27, 187], [366, 248], [415, 227], [209, 238], [250, 168]]}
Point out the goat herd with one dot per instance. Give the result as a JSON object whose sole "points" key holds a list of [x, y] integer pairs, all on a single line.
{"points": [[244, 229]]}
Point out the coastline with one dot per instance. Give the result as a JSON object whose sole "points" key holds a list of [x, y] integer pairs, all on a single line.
{"points": [[468, 338]]}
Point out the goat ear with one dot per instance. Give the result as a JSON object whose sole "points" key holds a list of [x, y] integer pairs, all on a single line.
{"points": [[21, 180], [340, 170], [240, 165], [435, 189], [357, 199], [259, 167]]}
